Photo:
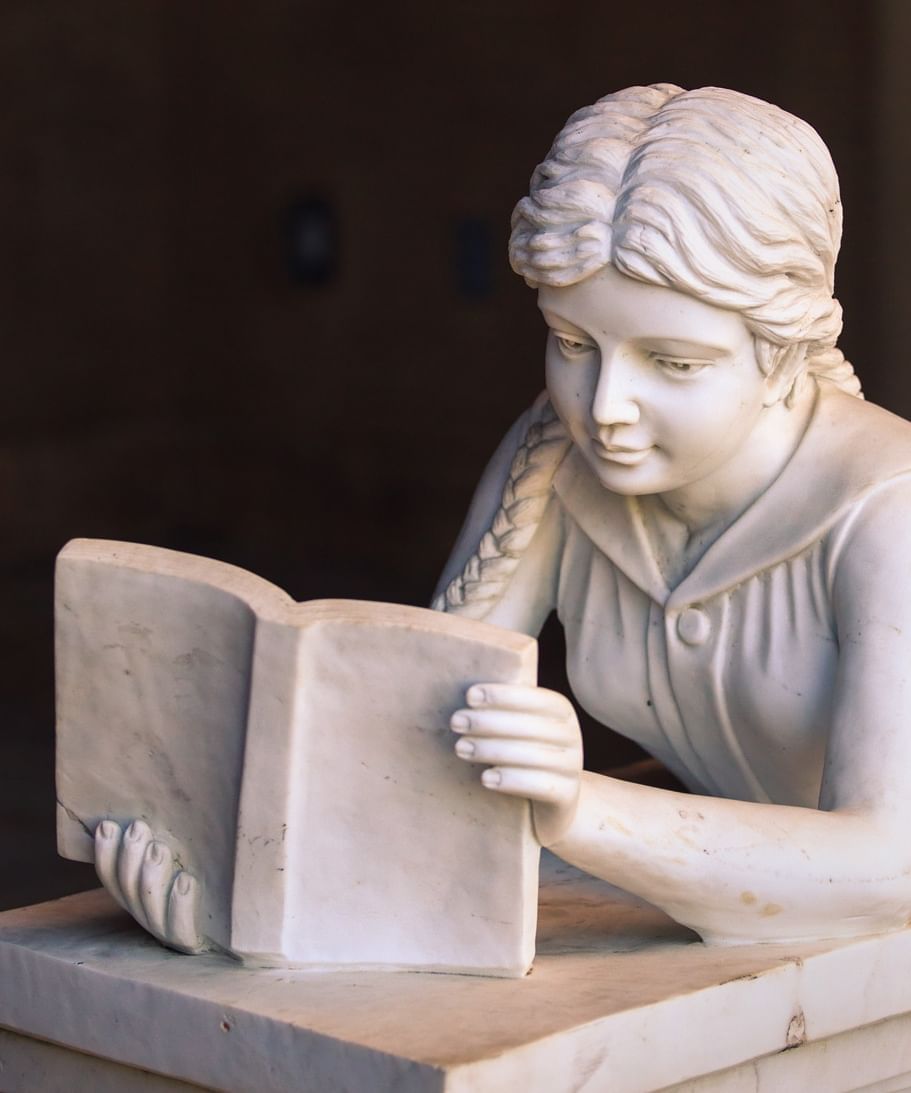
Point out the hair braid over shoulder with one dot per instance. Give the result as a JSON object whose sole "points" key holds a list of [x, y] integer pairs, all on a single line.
{"points": [[484, 577]]}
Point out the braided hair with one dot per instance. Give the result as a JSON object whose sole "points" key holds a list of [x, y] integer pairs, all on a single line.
{"points": [[481, 582]]}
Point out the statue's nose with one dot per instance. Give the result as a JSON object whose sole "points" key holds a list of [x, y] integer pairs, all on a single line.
{"points": [[614, 401]]}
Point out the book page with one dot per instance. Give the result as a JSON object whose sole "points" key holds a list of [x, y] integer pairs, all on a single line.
{"points": [[385, 846]]}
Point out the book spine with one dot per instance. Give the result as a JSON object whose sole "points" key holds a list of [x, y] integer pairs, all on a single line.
{"points": [[267, 797]]}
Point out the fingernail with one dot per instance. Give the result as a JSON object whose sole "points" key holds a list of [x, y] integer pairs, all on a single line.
{"points": [[491, 778], [183, 884], [107, 829], [154, 853], [133, 831], [465, 749], [459, 722], [476, 696]]}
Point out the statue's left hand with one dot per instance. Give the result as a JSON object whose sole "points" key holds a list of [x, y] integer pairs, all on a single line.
{"points": [[140, 872], [529, 738]]}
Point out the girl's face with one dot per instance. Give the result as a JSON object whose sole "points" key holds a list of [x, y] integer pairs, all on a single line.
{"points": [[657, 389]]}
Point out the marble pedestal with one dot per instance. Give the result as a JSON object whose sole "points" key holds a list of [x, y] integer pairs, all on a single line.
{"points": [[620, 999]]}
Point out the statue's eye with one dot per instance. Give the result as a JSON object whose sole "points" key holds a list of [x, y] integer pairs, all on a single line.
{"points": [[572, 347], [677, 366]]}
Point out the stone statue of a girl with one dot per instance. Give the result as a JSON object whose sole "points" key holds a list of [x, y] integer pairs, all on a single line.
{"points": [[721, 523]]}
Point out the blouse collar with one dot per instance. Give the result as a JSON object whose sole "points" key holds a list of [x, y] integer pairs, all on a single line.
{"points": [[848, 447]]}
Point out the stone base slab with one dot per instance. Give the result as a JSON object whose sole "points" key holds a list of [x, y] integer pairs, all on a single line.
{"points": [[621, 999]]}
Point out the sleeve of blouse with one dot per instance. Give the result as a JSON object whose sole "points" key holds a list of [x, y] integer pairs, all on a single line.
{"points": [[868, 759]]}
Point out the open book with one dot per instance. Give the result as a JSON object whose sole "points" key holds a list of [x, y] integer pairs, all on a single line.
{"points": [[297, 759]]}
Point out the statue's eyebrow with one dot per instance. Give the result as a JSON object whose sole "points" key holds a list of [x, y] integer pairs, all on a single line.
{"points": [[681, 347], [667, 343], [553, 319]]}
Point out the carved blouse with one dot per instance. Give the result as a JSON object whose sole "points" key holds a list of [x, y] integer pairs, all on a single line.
{"points": [[726, 677]]}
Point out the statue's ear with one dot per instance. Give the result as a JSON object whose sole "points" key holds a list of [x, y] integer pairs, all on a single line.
{"points": [[788, 364]]}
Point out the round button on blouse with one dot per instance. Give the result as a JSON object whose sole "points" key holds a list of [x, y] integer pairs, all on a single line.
{"points": [[694, 626]]}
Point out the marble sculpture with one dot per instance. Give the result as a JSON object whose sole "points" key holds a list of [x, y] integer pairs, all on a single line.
{"points": [[720, 521]]}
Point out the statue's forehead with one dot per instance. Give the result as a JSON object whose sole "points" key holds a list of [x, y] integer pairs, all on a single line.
{"points": [[610, 302]]}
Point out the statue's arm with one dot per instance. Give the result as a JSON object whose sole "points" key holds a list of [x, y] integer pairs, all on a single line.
{"points": [[737, 871]]}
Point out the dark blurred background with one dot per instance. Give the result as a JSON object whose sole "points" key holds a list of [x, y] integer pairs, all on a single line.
{"points": [[254, 293]]}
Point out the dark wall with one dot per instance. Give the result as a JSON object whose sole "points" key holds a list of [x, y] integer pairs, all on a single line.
{"points": [[167, 381]]}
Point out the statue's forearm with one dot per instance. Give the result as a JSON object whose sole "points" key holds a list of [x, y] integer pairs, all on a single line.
{"points": [[737, 871]]}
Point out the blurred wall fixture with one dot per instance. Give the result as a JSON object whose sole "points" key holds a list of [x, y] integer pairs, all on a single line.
{"points": [[310, 238], [473, 257]]}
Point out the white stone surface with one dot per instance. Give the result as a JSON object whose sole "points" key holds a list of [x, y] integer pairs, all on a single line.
{"points": [[872, 1059], [621, 999], [28, 1065], [294, 759]]}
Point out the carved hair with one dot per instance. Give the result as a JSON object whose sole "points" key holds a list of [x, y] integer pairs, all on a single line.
{"points": [[528, 488], [710, 192]]}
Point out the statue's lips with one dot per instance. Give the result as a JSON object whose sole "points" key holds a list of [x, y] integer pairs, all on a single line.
{"points": [[615, 453]]}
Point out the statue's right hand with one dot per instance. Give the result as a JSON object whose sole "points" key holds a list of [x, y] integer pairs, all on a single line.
{"points": [[530, 741], [141, 874]]}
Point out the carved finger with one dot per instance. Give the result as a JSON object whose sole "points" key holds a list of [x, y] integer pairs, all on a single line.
{"points": [[508, 724], [155, 878], [510, 696], [547, 786], [182, 911], [108, 839], [518, 753], [129, 866]]}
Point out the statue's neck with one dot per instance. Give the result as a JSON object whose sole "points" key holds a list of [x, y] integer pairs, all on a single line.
{"points": [[687, 521]]}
